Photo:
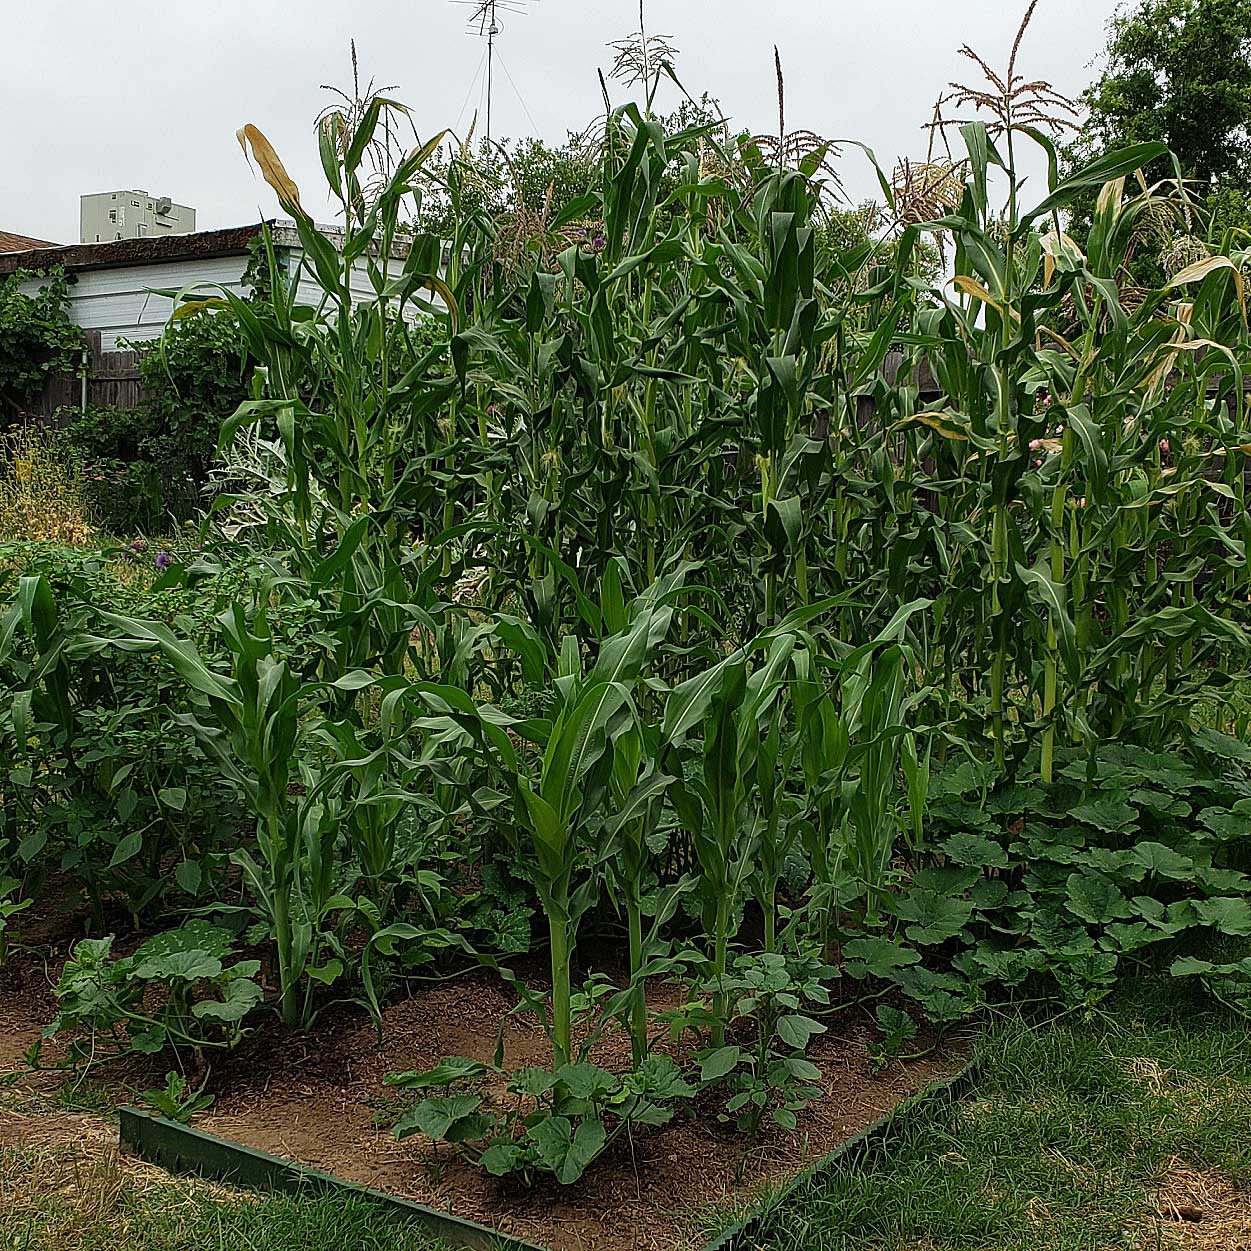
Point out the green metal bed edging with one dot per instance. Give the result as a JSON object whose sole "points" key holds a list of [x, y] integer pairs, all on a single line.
{"points": [[870, 1141], [182, 1149]]}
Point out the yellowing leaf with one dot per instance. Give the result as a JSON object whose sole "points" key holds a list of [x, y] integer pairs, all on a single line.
{"points": [[1110, 195], [950, 424], [272, 169], [970, 286], [190, 307], [1201, 269], [445, 293]]}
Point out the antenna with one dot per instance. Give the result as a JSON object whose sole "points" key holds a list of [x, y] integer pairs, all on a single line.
{"points": [[484, 21]]}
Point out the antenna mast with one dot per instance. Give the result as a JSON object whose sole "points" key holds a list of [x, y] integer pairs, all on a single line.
{"points": [[484, 22]]}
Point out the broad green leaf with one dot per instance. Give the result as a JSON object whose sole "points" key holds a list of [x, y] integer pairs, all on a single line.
{"points": [[1163, 861], [436, 1116], [796, 1031], [877, 957], [1226, 824], [974, 849], [186, 966], [718, 1063], [934, 918], [188, 875], [174, 797], [1095, 899], [1229, 915], [127, 849], [1109, 813]]}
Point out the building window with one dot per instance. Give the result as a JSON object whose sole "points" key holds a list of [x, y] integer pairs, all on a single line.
{"points": [[142, 228], [112, 215], [135, 203]]}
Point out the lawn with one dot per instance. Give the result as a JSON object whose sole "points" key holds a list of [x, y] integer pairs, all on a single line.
{"points": [[52, 1199], [1127, 1128]]}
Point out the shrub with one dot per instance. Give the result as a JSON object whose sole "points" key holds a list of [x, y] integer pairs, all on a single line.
{"points": [[150, 462], [100, 781], [200, 1000]]}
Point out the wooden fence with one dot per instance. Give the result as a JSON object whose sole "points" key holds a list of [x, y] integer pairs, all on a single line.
{"points": [[103, 379], [112, 381]]}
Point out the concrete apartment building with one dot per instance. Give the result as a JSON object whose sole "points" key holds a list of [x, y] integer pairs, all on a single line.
{"points": [[107, 216]]}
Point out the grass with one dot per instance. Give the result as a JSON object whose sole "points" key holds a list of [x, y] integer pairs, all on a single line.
{"points": [[53, 1199], [1130, 1129]]}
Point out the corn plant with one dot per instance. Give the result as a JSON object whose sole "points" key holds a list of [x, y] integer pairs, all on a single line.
{"points": [[252, 724], [721, 735], [561, 807]]}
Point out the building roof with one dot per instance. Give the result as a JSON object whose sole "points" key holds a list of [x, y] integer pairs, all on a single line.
{"points": [[148, 250], [10, 242], [161, 249]]}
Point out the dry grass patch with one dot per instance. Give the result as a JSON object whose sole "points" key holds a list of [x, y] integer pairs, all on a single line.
{"points": [[1200, 1210]]}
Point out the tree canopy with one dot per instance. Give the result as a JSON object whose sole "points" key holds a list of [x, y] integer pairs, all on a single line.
{"points": [[1179, 71]]}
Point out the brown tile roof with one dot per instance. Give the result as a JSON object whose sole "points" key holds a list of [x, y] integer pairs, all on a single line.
{"points": [[22, 243]]}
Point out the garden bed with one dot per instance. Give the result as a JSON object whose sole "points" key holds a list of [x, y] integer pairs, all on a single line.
{"points": [[319, 1100]]}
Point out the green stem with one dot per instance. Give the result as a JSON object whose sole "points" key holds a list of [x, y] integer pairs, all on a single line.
{"points": [[1050, 682], [638, 1010], [283, 937], [562, 1024], [770, 903], [721, 946]]}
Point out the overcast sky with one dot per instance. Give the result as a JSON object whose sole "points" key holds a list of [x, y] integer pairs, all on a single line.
{"points": [[148, 93]]}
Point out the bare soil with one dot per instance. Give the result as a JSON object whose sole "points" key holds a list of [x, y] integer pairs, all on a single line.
{"points": [[316, 1098]]}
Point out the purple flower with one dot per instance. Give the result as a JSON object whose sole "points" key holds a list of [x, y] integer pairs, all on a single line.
{"points": [[163, 561], [599, 243]]}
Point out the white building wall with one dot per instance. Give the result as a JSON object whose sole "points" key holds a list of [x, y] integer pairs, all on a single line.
{"points": [[120, 302], [309, 290]]}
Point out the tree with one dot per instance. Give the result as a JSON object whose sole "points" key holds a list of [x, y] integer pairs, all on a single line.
{"points": [[1179, 71], [1176, 71]]}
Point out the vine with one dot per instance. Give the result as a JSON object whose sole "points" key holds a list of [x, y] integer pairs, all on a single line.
{"points": [[37, 338]]}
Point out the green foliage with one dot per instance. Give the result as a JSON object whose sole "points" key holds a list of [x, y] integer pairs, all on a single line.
{"points": [[106, 1009], [178, 1101], [522, 185], [11, 903], [561, 1120], [99, 781], [150, 464], [1178, 71], [898, 1029], [1129, 854], [37, 338], [770, 994], [792, 682]]}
